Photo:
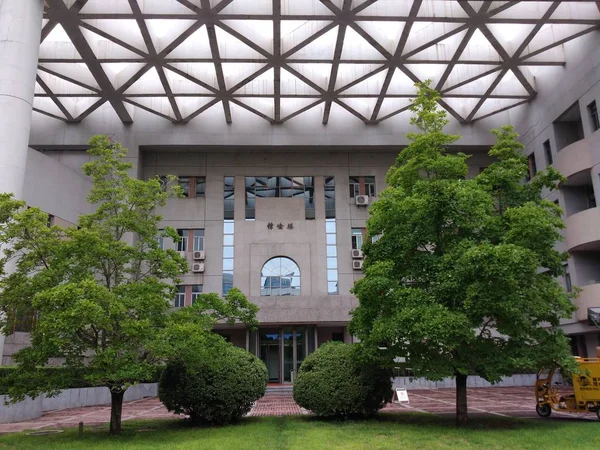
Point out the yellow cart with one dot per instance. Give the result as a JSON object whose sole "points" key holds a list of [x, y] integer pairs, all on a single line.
{"points": [[585, 396]]}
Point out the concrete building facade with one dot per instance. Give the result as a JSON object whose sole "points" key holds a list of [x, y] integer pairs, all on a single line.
{"points": [[278, 116]]}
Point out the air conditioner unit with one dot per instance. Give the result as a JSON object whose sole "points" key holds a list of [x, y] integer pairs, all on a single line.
{"points": [[357, 254], [199, 255], [198, 267], [182, 254], [362, 200], [357, 264]]}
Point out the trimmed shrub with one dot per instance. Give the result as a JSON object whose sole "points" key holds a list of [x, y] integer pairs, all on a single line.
{"points": [[217, 386], [333, 382]]}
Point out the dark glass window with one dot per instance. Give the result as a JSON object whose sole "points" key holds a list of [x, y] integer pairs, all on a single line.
{"points": [[548, 153], [229, 198], [568, 285], [337, 337], [594, 119], [200, 186], [280, 187], [329, 197], [354, 184], [184, 183], [532, 166]]}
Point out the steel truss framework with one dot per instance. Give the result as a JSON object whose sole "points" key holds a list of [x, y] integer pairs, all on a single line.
{"points": [[279, 58]]}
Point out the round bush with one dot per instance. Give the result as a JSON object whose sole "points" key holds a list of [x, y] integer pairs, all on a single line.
{"points": [[332, 382], [218, 386]]}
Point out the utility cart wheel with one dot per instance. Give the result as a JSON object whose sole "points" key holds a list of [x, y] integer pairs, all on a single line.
{"points": [[545, 410]]}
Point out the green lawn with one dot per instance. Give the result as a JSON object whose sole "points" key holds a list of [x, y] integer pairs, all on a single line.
{"points": [[387, 431]]}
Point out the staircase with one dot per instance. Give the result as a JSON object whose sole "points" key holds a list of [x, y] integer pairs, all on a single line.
{"points": [[283, 390]]}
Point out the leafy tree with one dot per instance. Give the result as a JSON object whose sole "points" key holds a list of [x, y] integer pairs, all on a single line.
{"points": [[99, 293], [462, 279]]}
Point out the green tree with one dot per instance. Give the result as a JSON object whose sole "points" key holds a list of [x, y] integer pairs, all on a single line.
{"points": [[462, 278], [100, 293]]}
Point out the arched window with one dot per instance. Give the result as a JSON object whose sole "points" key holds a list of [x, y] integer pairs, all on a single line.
{"points": [[280, 276]]}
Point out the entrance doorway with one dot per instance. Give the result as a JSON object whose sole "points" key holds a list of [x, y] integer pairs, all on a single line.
{"points": [[283, 350]]}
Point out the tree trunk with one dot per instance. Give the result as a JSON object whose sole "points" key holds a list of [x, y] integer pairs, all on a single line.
{"points": [[462, 416], [116, 410]]}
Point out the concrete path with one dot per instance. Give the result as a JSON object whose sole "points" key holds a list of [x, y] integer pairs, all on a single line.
{"points": [[494, 401]]}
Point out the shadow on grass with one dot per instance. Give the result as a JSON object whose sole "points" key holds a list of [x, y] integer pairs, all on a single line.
{"points": [[476, 422]]}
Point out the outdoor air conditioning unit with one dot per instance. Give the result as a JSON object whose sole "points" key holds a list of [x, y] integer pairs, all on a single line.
{"points": [[198, 267], [357, 264], [357, 254], [182, 254], [362, 200], [199, 255]]}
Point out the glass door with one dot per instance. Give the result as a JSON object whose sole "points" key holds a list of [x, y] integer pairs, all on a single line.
{"points": [[293, 352], [269, 353]]}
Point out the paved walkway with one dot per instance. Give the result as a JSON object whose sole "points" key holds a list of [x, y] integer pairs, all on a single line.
{"points": [[499, 401]]}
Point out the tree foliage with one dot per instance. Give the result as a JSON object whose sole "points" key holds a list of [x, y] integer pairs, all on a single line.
{"points": [[336, 381], [100, 293], [462, 279], [212, 381]]}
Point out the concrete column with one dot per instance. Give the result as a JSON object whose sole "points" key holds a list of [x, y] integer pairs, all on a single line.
{"points": [[20, 31]]}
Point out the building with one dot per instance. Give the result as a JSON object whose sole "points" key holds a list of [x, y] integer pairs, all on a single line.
{"points": [[281, 118]]}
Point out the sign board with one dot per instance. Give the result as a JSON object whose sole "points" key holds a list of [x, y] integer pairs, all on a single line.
{"points": [[401, 395]]}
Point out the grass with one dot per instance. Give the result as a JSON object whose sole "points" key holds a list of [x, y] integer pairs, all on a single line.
{"points": [[387, 431]]}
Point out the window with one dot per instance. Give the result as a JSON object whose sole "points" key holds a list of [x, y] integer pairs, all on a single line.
{"points": [[180, 297], [548, 153], [532, 166], [280, 276], [200, 183], [591, 197], [357, 238], [370, 186], [50, 221], [229, 198], [159, 239], [198, 240], [329, 197], [184, 184], [568, 285], [362, 186], [182, 245], [593, 112], [280, 187], [337, 337], [354, 187], [196, 291], [228, 234]]}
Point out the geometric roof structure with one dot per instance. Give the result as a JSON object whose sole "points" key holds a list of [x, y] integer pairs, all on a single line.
{"points": [[279, 58]]}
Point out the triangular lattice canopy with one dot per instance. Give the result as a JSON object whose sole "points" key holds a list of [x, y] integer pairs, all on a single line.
{"points": [[280, 58]]}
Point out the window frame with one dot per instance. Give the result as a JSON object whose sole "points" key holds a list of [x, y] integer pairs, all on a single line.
{"points": [[183, 244], [548, 152], [592, 109], [195, 293], [357, 235], [179, 301], [198, 238], [268, 291]]}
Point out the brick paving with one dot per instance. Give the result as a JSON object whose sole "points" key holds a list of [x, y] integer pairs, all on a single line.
{"points": [[494, 401]]}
